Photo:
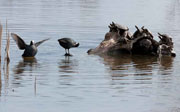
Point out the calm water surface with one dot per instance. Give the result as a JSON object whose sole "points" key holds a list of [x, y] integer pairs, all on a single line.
{"points": [[87, 83]]}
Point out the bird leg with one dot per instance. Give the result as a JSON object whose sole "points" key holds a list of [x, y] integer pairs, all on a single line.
{"points": [[67, 53]]}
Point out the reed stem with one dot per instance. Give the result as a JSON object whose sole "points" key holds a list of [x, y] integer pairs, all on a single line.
{"points": [[1, 29], [7, 44], [7, 48]]}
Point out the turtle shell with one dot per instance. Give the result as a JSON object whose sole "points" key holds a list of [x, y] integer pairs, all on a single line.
{"points": [[120, 27]]}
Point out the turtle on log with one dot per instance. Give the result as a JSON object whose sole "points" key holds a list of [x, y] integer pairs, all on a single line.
{"points": [[120, 40]]}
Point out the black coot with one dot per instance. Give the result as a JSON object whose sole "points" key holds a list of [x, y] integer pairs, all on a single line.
{"points": [[67, 43], [29, 50]]}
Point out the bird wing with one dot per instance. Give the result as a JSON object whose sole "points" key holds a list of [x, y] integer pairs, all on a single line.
{"points": [[63, 41], [20, 42], [40, 42], [68, 41]]}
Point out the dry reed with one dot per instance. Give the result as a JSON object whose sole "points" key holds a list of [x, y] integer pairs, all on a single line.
{"points": [[7, 48], [7, 44], [6, 57], [35, 85], [1, 29]]}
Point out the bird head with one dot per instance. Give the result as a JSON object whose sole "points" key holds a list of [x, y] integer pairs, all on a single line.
{"points": [[32, 42], [77, 44]]}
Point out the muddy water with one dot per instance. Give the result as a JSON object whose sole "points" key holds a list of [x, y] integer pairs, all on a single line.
{"points": [[52, 82]]}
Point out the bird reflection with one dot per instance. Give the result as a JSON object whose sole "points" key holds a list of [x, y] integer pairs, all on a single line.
{"points": [[67, 65], [26, 64]]}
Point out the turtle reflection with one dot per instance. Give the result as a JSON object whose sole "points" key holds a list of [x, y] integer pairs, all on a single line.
{"points": [[144, 62], [166, 65], [124, 65], [117, 62], [166, 62]]}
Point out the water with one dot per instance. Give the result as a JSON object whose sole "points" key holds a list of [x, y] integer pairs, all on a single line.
{"points": [[87, 83]]}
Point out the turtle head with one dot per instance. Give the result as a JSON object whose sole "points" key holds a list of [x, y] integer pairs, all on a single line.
{"points": [[142, 32], [32, 42], [165, 39]]}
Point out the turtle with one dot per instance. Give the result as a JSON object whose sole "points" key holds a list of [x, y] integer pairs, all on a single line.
{"points": [[164, 49], [116, 27], [165, 39]]}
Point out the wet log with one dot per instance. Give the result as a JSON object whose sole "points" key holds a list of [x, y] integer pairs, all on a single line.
{"points": [[119, 40]]}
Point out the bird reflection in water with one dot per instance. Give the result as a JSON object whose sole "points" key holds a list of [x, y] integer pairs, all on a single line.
{"points": [[27, 64], [68, 65]]}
